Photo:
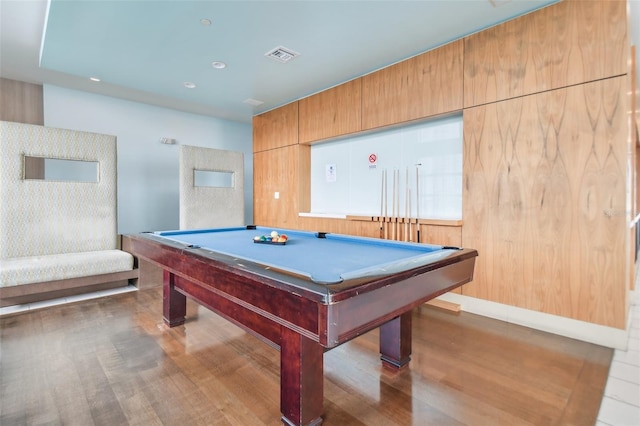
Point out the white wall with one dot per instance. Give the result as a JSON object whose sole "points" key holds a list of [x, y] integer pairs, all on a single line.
{"points": [[422, 160], [148, 197]]}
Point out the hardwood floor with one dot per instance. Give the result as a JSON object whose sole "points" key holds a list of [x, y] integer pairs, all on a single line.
{"points": [[111, 361]]}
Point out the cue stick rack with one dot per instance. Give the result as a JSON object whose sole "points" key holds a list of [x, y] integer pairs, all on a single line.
{"points": [[395, 223]]}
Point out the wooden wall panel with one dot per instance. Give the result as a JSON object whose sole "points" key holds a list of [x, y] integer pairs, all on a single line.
{"points": [[280, 170], [567, 43], [544, 201], [635, 144], [441, 235], [276, 128], [340, 226], [333, 112], [21, 102], [426, 85]]}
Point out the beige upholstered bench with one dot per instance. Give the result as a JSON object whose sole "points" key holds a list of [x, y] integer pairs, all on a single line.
{"points": [[58, 236]]}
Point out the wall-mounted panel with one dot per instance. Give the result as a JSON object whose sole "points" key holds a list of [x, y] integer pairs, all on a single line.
{"points": [[567, 43], [21, 102], [545, 201], [211, 187], [330, 113], [423, 86], [276, 128], [281, 185]]}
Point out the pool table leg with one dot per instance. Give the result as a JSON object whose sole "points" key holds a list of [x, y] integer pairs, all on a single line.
{"points": [[395, 342], [301, 379], [174, 304]]}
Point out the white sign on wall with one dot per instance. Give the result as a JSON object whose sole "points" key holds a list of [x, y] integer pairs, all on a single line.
{"points": [[330, 173]]}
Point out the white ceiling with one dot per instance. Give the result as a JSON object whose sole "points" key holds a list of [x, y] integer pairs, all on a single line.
{"points": [[146, 50]]}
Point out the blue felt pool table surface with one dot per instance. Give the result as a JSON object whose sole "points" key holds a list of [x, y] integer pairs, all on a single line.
{"points": [[322, 258]]}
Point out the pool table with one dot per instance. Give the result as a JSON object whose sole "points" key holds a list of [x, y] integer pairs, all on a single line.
{"points": [[306, 296]]}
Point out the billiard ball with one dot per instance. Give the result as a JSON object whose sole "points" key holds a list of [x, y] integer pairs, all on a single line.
{"points": [[274, 234]]}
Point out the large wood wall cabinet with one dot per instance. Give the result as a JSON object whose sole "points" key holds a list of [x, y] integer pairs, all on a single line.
{"points": [[331, 113], [545, 201], [567, 43], [426, 85]]}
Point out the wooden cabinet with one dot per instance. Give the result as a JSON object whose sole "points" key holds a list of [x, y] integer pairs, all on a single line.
{"points": [[545, 201], [567, 43], [276, 128], [280, 166], [426, 85], [285, 171], [333, 112]]}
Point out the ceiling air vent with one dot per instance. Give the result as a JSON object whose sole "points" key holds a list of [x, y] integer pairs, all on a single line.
{"points": [[252, 102], [282, 54]]}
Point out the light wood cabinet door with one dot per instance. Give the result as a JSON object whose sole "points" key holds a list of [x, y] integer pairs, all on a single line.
{"points": [[276, 128], [284, 171], [545, 201], [426, 85], [567, 43], [330, 113]]}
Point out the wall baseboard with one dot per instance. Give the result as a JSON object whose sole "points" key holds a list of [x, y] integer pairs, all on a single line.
{"points": [[593, 333]]}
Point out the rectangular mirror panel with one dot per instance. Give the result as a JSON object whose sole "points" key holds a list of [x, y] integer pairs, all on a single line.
{"points": [[213, 179], [61, 170]]}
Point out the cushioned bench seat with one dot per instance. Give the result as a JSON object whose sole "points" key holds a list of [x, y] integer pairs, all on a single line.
{"points": [[58, 232], [54, 267]]}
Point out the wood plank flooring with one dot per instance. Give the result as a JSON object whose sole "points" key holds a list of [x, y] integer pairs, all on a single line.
{"points": [[111, 361]]}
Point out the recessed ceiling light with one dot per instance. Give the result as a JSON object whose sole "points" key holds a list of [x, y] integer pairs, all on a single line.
{"points": [[96, 79], [205, 21], [189, 85], [218, 65]]}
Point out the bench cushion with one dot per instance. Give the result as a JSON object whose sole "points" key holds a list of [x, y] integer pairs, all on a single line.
{"points": [[35, 269]]}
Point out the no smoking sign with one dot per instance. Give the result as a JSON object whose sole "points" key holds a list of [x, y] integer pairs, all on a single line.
{"points": [[373, 160]]}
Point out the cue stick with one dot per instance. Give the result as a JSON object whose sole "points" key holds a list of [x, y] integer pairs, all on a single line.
{"points": [[410, 220], [393, 205], [397, 201], [406, 208], [386, 203], [417, 204], [381, 201], [398, 218]]}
